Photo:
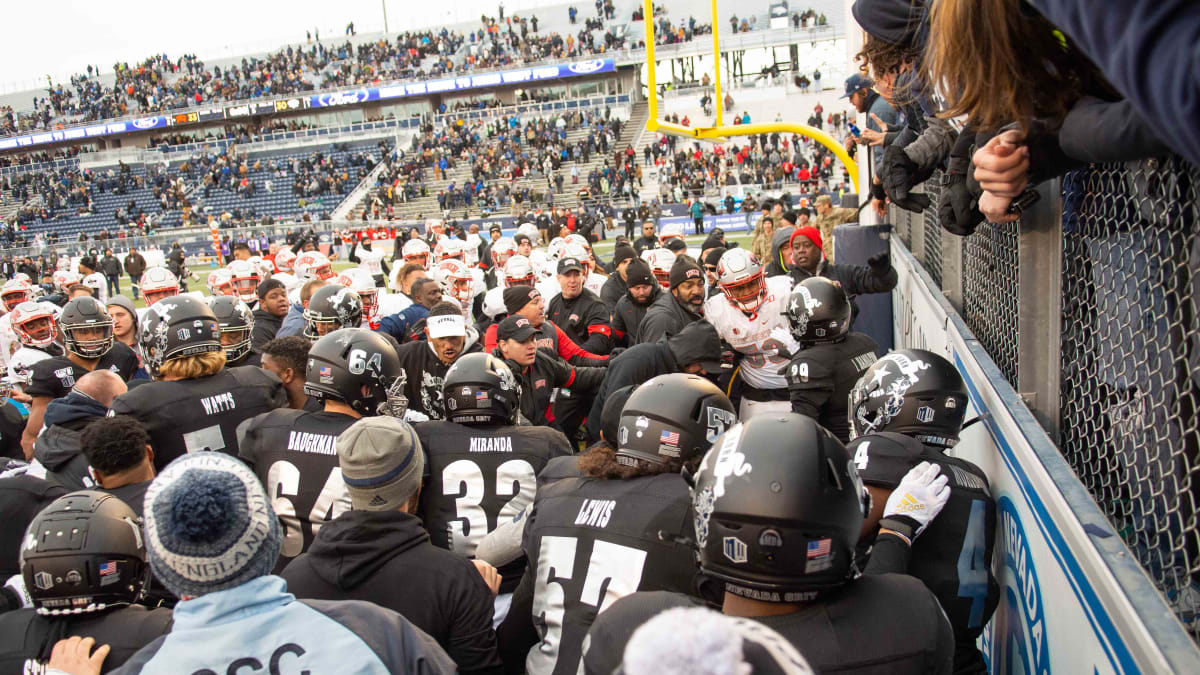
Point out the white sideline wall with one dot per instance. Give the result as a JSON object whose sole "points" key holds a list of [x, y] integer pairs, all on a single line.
{"points": [[1073, 598]]}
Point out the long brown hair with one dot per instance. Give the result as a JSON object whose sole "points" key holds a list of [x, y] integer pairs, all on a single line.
{"points": [[997, 63]]}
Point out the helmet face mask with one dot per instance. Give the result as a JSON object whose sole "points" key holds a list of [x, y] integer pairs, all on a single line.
{"points": [[15, 292], [333, 306], [244, 278], [363, 284], [87, 328], [33, 324], [236, 322], [741, 279], [312, 265], [158, 283]]}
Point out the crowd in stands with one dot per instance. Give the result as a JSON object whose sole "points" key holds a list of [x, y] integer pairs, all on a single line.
{"points": [[67, 191]]}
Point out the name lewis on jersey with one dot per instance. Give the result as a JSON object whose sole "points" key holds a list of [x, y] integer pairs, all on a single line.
{"points": [[497, 444], [595, 512]]}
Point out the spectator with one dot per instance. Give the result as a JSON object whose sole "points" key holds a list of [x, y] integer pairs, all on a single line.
{"points": [[829, 216], [135, 265], [59, 447], [110, 266], [268, 316]]}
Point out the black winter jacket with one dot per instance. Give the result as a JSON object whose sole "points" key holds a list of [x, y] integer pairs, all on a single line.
{"points": [[665, 316], [58, 447], [855, 279], [385, 557], [546, 374]]}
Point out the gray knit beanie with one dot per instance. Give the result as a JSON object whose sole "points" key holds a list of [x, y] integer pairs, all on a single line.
{"points": [[209, 525]]}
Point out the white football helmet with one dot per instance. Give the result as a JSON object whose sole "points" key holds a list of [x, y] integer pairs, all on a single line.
{"points": [[740, 276], [518, 271], [456, 280], [312, 265], [284, 260], [359, 281], [416, 251], [244, 275], [661, 260], [158, 283]]}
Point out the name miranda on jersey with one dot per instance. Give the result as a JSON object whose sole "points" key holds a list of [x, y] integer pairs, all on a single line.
{"points": [[497, 444]]}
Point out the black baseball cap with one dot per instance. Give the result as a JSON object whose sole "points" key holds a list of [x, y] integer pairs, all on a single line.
{"points": [[568, 264], [515, 328]]}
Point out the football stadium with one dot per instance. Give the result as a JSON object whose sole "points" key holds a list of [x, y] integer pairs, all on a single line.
{"points": [[533, 336]]}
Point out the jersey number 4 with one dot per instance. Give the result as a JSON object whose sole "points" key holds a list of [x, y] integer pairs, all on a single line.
{"points": [[463, 479], [613, 571], [972, 563], [283, 481]]}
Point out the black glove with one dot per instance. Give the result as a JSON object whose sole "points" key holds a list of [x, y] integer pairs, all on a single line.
{"points": [[899, 175], [958, 209], [615, 353], [879, 263], [877, 191]]}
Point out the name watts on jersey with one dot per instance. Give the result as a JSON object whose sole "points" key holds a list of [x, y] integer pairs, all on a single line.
{"points": [[595, 512], [322, 444], [497, 444], [218, 404]]}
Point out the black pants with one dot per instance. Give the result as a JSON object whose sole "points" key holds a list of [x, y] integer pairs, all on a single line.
{"points": [[629, 230], [699, 224]]}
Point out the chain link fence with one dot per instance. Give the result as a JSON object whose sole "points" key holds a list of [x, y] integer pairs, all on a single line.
{"points": [[1130, 358]]}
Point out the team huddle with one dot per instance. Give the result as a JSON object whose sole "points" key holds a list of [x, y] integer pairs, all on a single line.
{"points": [[496, 456]]}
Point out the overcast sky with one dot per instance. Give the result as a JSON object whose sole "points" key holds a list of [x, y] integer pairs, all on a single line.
{"points": [[63, 36]]}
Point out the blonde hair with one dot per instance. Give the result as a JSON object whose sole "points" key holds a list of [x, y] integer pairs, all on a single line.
{"points": [[192, 367], [998, 64]]}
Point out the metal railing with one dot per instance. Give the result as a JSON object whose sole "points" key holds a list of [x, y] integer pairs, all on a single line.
{"points": [[1090, 306]]}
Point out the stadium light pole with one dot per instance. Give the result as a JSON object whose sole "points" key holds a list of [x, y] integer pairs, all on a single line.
{"points": [[383, 3]]}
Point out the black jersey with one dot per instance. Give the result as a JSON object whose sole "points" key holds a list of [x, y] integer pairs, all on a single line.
{"points": [[200, 414], [952, 557], [887, 624], [590, 542], [478, 476], [294, 455], [54, 377], [820, 379], [26, 637], [425, 374]]}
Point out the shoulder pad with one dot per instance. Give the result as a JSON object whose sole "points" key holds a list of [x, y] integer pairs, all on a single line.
{"points": [[882, 459]]}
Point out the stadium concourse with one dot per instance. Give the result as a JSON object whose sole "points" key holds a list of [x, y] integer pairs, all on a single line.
{"points": [[455, 349]]}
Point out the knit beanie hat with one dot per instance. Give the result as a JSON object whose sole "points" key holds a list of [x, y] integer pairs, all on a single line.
{"points": [[517, 297], [713, 256], [209, 525], [813, 234], [381, 462], [639, 273], [621, 253], [684, 268]]}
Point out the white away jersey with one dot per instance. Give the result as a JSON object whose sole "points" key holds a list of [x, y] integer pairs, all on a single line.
{"points": [[20, 365], [751, 335], [370, 260], [8, 339]]}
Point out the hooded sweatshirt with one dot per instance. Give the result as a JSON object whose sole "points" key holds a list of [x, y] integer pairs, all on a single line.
{"points": [[385, 557], [777, 265], [58, 446]]}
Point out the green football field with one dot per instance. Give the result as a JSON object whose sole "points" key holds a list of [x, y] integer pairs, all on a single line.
{"points": [[603, 248]]}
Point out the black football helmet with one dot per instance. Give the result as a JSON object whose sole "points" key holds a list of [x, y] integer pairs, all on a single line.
{"points": [[674, 416], [86, 327], [778, 508], [911, 392], [175, 327], [818, 311], [235, 319], [481, 389], [332, 307], [84, 553], [341, 363]]}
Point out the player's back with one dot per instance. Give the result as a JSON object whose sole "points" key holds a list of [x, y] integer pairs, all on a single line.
{"points": [[596, 541], [479, 476], [952, 556], [203, 413], [822, 377], [294, 455]]}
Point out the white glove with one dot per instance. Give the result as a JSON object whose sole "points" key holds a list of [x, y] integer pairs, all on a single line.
{"points": [[411, 416], [916, 501], [784, 337]]}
